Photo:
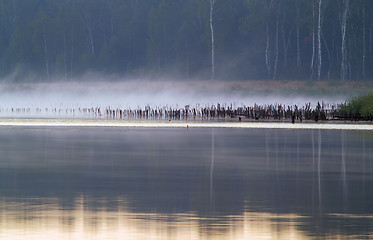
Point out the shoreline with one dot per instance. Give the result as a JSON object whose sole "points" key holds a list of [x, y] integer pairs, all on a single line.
{"points": [[40, 122]]}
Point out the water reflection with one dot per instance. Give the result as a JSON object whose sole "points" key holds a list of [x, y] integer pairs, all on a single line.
{"points": [[343, 171], [319, 170], [44, 219], [128, 183], [212, 169]]}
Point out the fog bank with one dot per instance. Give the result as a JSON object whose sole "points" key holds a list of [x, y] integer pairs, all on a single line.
{"points": [[140, 93]]}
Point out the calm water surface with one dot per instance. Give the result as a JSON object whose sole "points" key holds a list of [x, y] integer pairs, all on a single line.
{"points": [[164, 183]]}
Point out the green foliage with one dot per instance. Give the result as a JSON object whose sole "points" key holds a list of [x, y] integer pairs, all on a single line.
{"points": [[361, 106]]}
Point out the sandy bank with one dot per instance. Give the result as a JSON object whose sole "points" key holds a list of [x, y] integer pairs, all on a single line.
{"points": [[181, 124]]}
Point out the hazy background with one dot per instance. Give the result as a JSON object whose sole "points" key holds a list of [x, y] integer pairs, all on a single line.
{"points": [[134, 53], [45, 40]]}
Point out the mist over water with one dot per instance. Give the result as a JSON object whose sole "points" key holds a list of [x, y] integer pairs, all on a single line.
{"points": [[166, 93]]}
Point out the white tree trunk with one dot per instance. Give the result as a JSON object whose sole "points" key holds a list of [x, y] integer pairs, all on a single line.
{"points": [[319, 41], [268, 5], [212, 3], [267, 53], [276, 52], [343, 40], [329, 56], [364, 44], [313, 39]]}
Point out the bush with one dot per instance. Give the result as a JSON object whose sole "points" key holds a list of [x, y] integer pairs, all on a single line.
{"points": [[360, 106]]}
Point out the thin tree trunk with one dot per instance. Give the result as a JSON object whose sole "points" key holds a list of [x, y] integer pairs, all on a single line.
{"points": [[319, 42], [267, 52], [91, 40], [371, 36], [343, 40], [313, 38], [46, 53], [286, 44], [268, 5], [276, 52], [212, 2], [329, 56], [299, 62], [335, 56], [364, 45]]}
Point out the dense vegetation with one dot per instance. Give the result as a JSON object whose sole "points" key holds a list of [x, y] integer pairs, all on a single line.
{"points": [[359, 107], [253, 39]]}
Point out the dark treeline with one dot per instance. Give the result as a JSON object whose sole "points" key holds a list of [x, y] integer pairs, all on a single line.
{"points": [[230, 40]]}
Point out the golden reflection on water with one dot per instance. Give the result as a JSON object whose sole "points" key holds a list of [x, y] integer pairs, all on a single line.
{"points": [[46, 219]]}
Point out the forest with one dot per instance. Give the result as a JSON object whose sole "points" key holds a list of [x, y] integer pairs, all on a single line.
{"points": [[311, 40]]}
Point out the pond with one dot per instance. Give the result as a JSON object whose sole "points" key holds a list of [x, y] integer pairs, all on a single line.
{"points": [[185, 183]]}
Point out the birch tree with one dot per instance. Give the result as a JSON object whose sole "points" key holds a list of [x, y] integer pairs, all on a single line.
{"points": [[211, 21], [42, 27], [364, 42], [268, 5], [313, 40], [344, 66], [276, 47], [371, 34], [90, 14], [260, 19], [319, 58]]}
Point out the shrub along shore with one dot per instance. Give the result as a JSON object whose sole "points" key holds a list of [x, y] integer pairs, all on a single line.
{"points": [[358, 108]]}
